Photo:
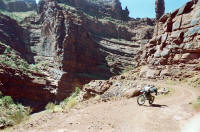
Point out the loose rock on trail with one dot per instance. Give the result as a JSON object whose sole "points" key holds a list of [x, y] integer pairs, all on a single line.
{"points": [[168, 114]]}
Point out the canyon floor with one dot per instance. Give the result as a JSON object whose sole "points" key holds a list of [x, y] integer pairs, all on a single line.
{"points": [[170, 113]]}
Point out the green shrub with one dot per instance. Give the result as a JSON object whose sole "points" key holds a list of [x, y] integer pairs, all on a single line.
{"points": [[71, 101], [17, 117], [11, 113], [33, 67], [50, 106], [7, 101], [7, 50], [10, 59], [196, 104], [76, 92]]}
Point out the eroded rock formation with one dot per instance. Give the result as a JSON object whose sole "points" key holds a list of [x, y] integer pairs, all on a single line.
{"points": [[101, 8], [174, 49], [74, 48], [159, 8]]}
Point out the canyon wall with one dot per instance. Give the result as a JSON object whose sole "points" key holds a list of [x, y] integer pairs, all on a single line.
{"points": [[174, 48]]}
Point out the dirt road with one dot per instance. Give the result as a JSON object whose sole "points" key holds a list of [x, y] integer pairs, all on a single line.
{"points": [[168, 114]]}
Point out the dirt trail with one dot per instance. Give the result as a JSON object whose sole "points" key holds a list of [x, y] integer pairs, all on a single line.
{"points": [[169, 114], [192, 125]]}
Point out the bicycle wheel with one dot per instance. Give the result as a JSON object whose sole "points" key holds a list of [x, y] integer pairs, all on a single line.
{"points": [[151, 100], [141, 100]]}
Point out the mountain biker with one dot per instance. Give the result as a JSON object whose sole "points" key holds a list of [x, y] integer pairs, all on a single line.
{"points": [[150, 89]]}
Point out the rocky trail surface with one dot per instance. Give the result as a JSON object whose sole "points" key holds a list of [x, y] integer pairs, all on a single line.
{"points": [[169, 113]]}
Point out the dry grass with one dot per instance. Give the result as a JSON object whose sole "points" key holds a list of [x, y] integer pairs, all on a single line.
{"points": [[196, 104], [67, 104], [10, 113]]}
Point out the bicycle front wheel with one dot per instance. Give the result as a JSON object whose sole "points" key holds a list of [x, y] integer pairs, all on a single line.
{"points": [[141, 100]]}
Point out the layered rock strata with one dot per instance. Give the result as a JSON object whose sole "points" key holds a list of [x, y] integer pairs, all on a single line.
{"points": [[174, 48]]}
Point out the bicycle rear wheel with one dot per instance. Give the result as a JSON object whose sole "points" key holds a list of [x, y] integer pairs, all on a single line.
{"points": [[151, 100]]}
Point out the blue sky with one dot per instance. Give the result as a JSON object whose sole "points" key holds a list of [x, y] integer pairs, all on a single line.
{"points": [[146, 8]]}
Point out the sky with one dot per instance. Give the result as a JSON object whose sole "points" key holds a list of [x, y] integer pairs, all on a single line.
{"points": [[146, 8]]}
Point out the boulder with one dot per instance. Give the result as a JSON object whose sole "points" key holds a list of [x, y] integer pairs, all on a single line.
{"points": [[185, 8], [132, 93], [147, 72], [177, 23]]}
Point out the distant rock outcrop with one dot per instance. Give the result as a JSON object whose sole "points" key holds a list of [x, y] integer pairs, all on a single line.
{"points": [[34, 90], [175, 47], [111, 8], [159, 8]]}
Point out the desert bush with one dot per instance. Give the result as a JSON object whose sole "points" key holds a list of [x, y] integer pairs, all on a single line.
{"points": [[7, 101], [17, 117], [11, 113], [72, 100], [50, 106], [7, 50], [11, 59], [34, 67], [196, 104]]}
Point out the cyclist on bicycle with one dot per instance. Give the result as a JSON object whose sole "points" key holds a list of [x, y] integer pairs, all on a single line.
{"points": [[150, 89]]}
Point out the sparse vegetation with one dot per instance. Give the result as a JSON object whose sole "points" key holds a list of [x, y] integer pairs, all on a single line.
{"points": [[93, 76], [67, 104], [50, 106], [71, 101], [11, 59], [194, 81], [171, 82], [196, 104], [11, 113], [90, 15], [18, 16], [128, 68]]}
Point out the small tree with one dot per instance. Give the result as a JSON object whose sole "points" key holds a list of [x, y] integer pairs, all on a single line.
{"points": [[159, 8]]}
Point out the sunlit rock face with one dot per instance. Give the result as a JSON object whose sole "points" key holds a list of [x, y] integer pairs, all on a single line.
{"points": [[175, 46], [73, 46], [110, 8]]}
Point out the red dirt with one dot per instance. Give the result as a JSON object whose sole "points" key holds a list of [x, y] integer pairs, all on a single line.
{"points": [[168, 114]]}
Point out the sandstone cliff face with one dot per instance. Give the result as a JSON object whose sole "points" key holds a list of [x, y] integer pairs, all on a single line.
{"points": [[23, 84], [71, 53], [118, 40], [18, 5], [33, 89], [174, 49], [73, 48], [100, 8], [15, 36]]}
